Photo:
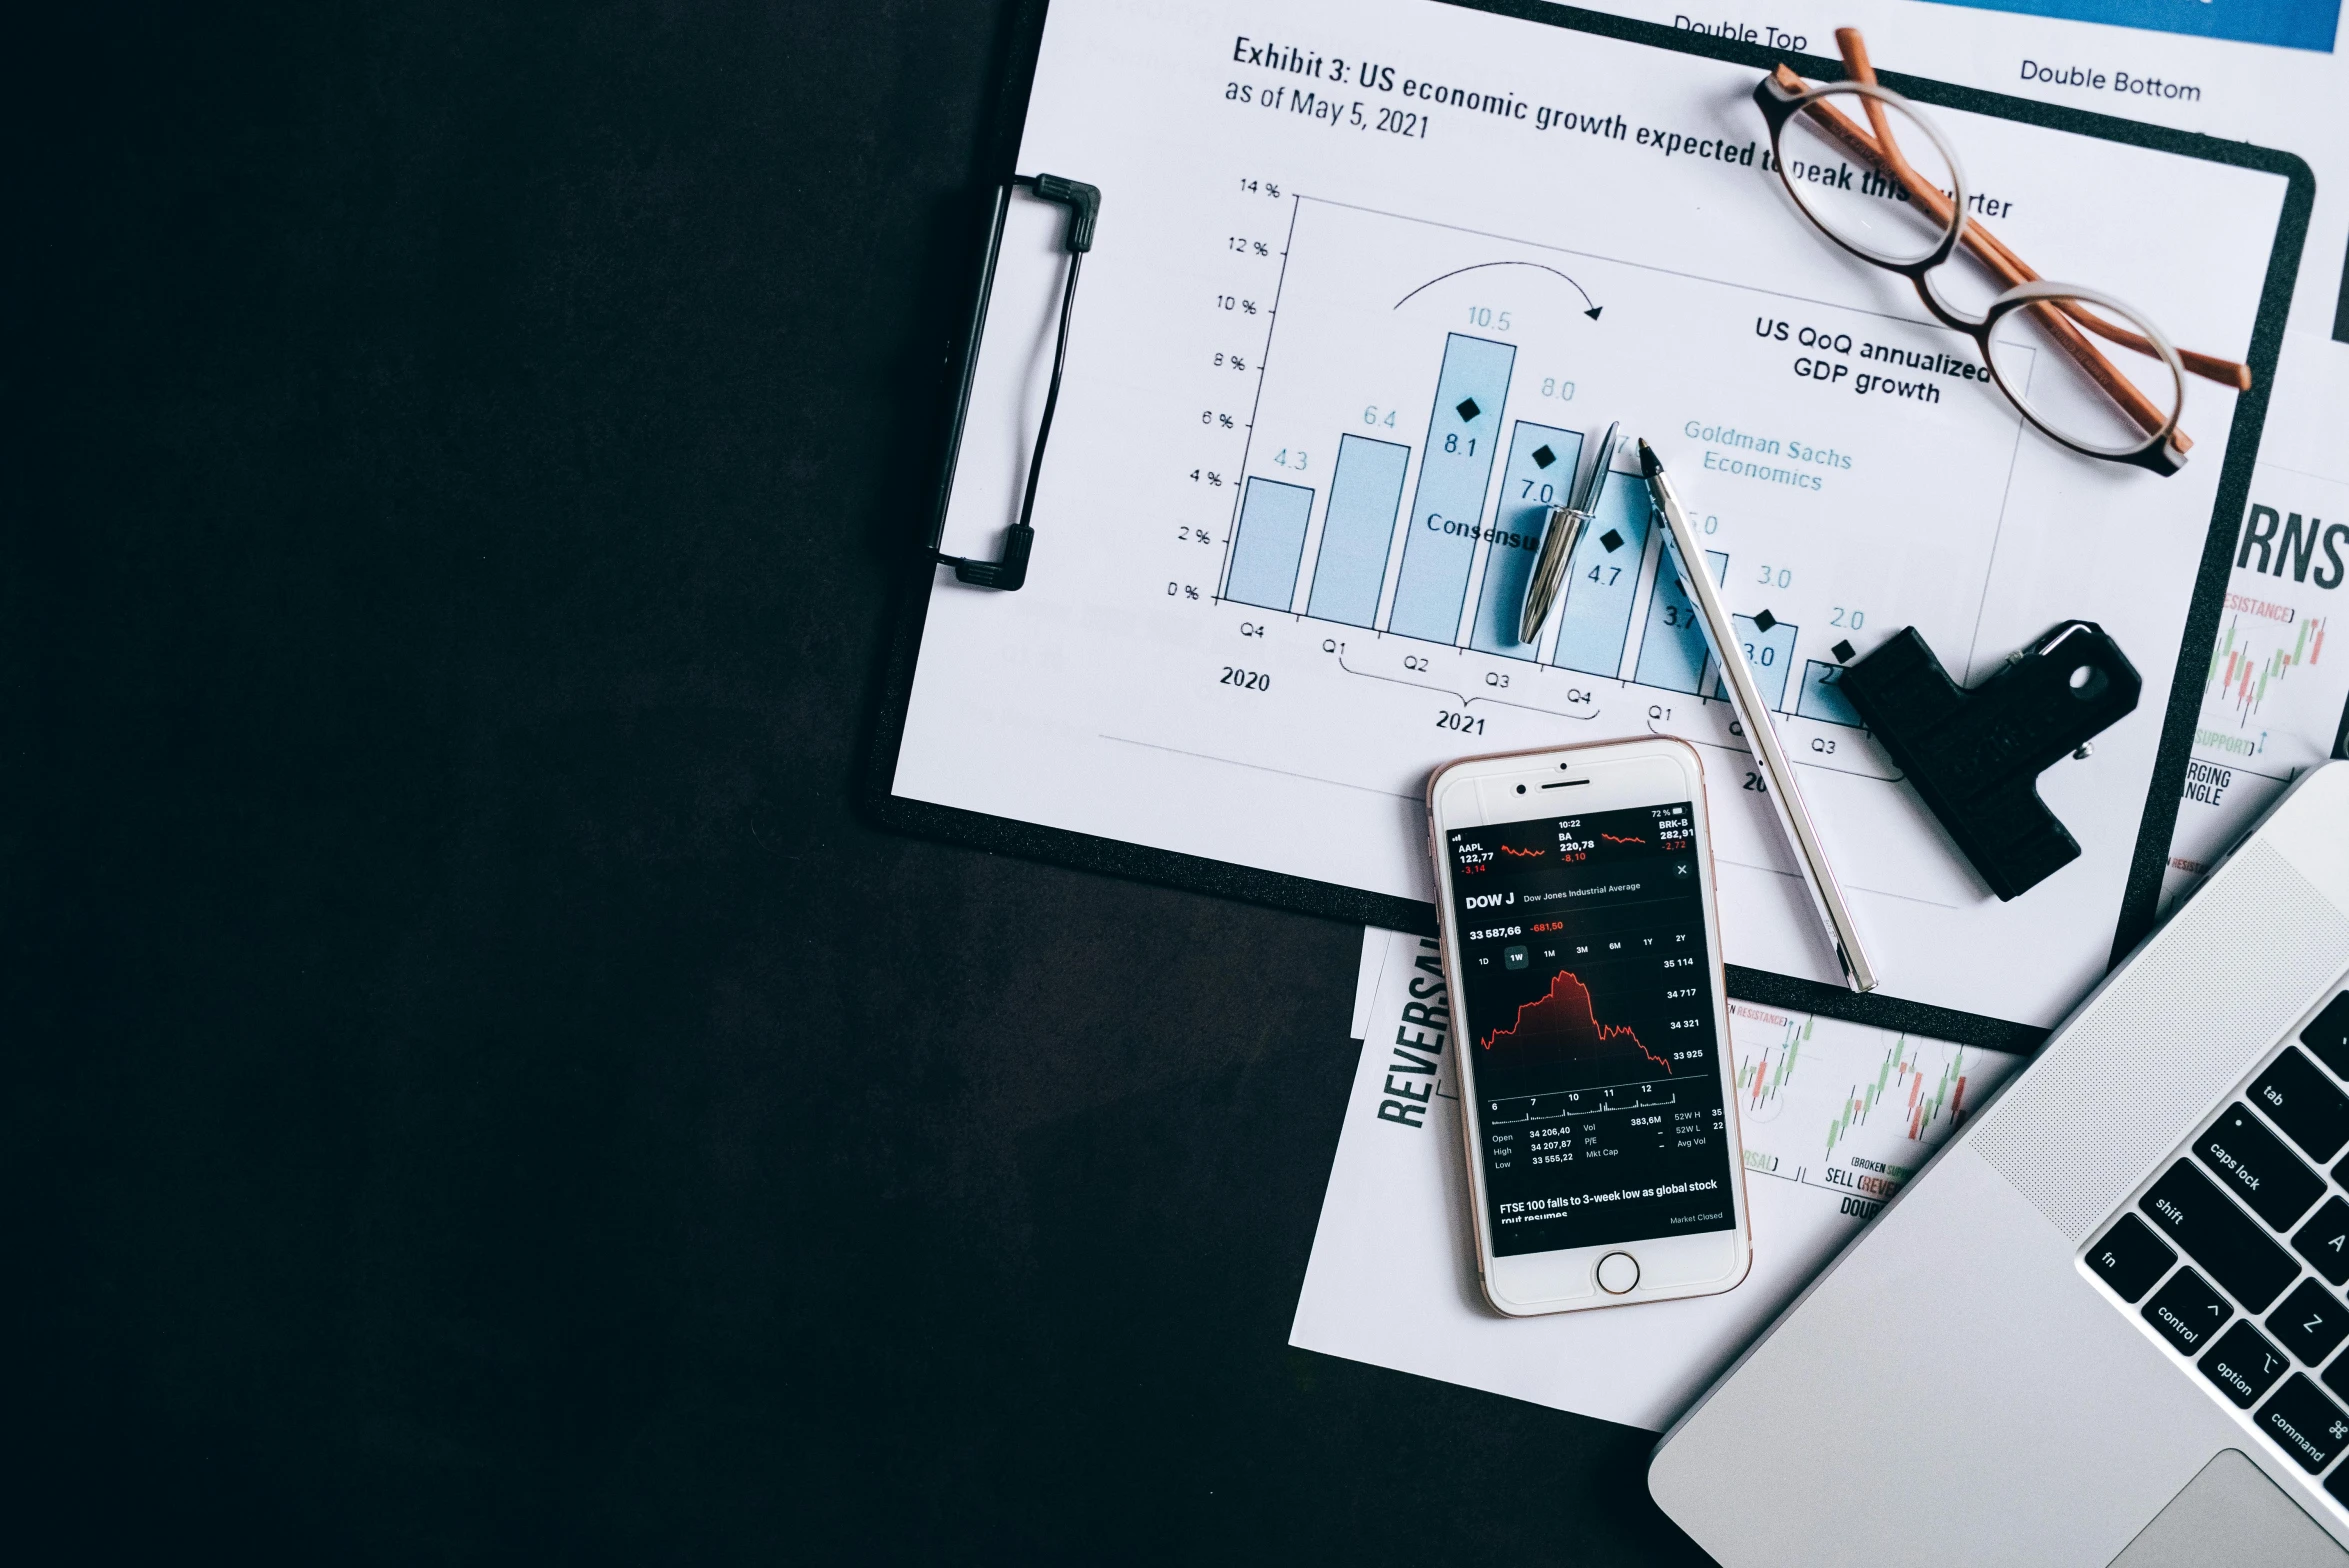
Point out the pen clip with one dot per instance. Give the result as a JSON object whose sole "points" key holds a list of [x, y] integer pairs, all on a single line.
{"points": [[1562, 530], [1596, 480]]}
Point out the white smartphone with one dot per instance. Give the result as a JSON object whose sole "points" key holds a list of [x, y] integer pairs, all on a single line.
{"points": [[1597, 1089]]}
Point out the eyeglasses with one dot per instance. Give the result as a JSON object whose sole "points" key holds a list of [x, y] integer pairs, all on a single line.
{"points": [[1905, 207]]}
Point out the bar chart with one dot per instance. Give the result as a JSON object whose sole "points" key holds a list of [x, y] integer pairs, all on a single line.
{"points": [[1365, 496], [1447, 511], [1821, 696], [1459, 517], [1602, 581], [1270, 543], [1672, 652], [1416, 424]]}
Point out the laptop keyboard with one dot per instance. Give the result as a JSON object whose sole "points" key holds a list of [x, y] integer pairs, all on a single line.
{"points": [[2236, 1253]]}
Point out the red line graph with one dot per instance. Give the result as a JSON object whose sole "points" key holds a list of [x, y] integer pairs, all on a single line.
{"points": [[1566, 1012], [1522, 854], [1633, 839]]}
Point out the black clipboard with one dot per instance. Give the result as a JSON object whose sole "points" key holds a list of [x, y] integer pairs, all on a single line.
{"points": [[1006, 835]]}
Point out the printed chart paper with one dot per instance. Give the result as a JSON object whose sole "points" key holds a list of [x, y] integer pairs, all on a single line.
{"points": [[2273, 695], [1835, 1115], [1344, 334]]}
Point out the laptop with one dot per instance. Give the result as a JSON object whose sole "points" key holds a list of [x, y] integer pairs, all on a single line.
{"points": [[2107, 1324]]}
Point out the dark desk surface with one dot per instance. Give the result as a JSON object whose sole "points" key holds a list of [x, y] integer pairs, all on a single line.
{"points": [[478, 1089]]}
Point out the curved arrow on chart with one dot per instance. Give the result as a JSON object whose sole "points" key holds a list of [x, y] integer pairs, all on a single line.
{"points": [[1591, 309]]}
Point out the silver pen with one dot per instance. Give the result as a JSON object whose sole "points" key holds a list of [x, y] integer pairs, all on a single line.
{"points": [[1564, 528], [1745, 700]]}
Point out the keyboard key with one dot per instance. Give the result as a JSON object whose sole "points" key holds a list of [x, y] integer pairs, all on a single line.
{"points": [[2310, 1322], [2324, 1241], [2203, 1222], [2299, 1098], [2130, 1258], [2253, 1164], [2327, 1035], [2304, 1424], [2244, 1365], [2188, 1311]]}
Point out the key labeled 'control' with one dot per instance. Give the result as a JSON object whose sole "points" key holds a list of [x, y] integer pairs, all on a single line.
{"points": [[2187, 1311]]}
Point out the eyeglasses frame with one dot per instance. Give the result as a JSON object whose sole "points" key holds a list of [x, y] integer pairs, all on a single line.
{"points": [[2162, 452]]}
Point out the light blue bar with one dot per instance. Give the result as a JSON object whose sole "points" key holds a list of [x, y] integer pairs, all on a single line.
{"points": [[1602, 581], [1270, 544], [2288, 24], [1530, 486], [1364, 493], [1821, 696], [1448, 508], [1672, 651], [1771, 655]]}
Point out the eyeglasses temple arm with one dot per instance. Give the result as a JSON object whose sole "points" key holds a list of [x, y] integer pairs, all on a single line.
{"points": [[1854, 49]]}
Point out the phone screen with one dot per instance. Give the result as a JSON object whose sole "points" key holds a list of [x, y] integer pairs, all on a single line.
{"points": [[1589, 1010]]}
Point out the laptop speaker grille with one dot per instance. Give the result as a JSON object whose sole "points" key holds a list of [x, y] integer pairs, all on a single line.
{"points": [[2121, 1083]]}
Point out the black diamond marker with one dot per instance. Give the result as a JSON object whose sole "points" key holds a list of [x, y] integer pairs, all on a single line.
{"points": [[1543, 457], [1764, 621], [1843, 652], [1468, 408], [1612, 540]]}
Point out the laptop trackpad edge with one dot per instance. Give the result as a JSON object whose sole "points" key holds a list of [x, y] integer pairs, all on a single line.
{"points": [[2231, 1513]]}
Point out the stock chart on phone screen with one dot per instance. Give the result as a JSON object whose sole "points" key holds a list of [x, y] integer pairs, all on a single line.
{"points": [[1590, 1020]]}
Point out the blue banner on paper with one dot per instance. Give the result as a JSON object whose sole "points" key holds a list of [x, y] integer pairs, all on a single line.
{"points": [[2287, 24]]}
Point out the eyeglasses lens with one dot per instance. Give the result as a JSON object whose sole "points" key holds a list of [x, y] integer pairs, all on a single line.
{"points": [[1864, 195], [2108, 409]]}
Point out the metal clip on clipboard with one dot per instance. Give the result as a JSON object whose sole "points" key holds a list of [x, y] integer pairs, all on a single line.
{"points": [[1084, 204]]}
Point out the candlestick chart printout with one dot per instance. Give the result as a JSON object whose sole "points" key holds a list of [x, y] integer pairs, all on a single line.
{"points": [[1835, 1115], [2277, 682], [1850, 1113], [1370, 282], [1589, 1016]]}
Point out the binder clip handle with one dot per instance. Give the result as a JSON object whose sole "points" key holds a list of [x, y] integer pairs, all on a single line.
{"points": [[1083, 202]]}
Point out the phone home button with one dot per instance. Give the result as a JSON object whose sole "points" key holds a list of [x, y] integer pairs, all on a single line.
{"points": [[1618, 1272]]}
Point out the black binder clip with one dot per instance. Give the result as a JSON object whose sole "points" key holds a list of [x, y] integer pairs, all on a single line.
{"points": [[1084, 205], [1976, 756]]}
